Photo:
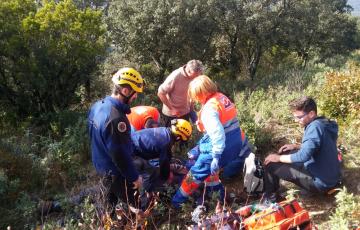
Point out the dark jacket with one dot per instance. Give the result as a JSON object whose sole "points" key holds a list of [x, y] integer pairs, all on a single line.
{"points": [[318, 152], [154, 143], [109, 131]]}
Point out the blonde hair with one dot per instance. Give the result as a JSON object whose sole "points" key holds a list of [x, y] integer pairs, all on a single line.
{"points": [[202, 86]]}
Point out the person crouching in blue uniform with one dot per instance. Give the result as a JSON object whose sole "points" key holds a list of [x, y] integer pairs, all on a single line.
{"points": [[111, 144], [220, 143], [157, 142]]}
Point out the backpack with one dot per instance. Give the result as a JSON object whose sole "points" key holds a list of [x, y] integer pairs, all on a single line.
{"points": [[253, 175], [280, 216]]}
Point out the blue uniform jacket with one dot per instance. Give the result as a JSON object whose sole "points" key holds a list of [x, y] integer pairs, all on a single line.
{"points": [[111, 146], [318, 152], [154, 143]]}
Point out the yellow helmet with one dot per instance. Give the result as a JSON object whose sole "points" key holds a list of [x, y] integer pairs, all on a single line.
{"points": [[131, 77], [182, 128]]}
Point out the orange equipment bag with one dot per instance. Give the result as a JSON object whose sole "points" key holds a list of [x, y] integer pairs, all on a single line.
{"points": [[280, 216]]}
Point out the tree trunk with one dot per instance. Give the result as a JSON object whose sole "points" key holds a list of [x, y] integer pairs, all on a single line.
{"points": [[233, 62], [254, 62]]}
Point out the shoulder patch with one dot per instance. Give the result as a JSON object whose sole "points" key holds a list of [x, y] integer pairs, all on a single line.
{"points": [[122, 126]]}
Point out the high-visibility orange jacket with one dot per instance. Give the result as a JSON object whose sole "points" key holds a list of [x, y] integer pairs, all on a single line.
{"points": [[225, 108]]}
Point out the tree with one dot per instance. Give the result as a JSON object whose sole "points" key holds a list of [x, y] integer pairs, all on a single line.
{"points": [[12, 48], [248, 29], [228, 16], [102, 5], [164, 32], [230, 36], [262, 21], [317, 27], [47, 54]]}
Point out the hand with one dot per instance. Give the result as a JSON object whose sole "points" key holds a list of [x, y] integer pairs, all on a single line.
{"points": [[288, 147], [138, 183], [191, 157], [272, 158], [175, 113], [214, 167]]}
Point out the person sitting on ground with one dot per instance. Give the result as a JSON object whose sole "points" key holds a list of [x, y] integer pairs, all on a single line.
{"points": [[314, 166], [157, 143], [220, 143], [143, 117]]}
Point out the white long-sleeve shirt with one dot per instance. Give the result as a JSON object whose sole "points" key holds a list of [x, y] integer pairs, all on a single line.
{"points": [[214, 129]]}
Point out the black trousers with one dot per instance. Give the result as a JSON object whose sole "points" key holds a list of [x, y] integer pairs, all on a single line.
{"points": [[117, 187], [294, 173], [165, 120]]}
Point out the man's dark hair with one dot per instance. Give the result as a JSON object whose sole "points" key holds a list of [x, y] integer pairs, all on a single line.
{"points": [[305, 104]]}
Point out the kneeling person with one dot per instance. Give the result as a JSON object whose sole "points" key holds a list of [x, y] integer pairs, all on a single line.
{"points": [[218, 146], [157, 143], [143, 117]]}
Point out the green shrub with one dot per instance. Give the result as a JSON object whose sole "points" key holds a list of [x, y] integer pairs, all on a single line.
{"points": [[340, 99], [21, 174], [43, 163], [23, 168], [346, 214], [65, 159], [86, 218], [349, 138], [16, 207], [341, 93]]}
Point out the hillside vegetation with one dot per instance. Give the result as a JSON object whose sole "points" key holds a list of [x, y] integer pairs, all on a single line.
{"points": [[56, 58]]}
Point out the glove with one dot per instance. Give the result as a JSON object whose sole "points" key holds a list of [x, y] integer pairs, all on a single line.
{"points": [[214, 167], [250, 166]]}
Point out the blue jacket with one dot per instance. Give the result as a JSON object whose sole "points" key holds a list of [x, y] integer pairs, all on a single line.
{"points": [[318, 153], [154, 143], [111, 146]]}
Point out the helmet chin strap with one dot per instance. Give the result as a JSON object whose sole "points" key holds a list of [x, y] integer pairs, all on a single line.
{"points": [[127, 98]]}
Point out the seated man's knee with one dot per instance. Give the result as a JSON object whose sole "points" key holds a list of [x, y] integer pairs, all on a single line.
{"points": [[272, 166]]}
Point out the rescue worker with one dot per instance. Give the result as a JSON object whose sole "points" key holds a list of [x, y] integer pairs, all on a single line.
{"points": [[220, 143], [157, 143], [234, 167], [142, 117], [111, 145]]}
